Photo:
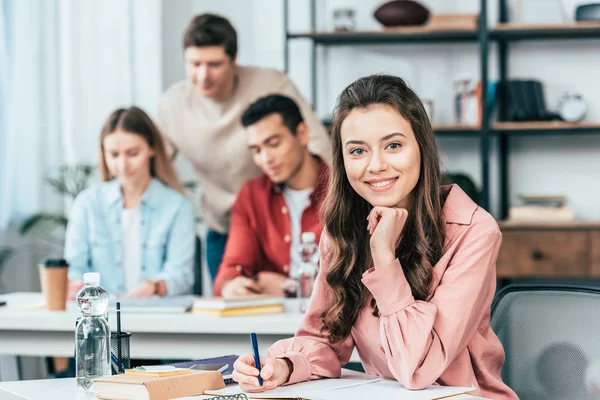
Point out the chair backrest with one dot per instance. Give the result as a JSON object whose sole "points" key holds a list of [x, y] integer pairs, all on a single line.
{"points": [[551, 337], [198, 268]]}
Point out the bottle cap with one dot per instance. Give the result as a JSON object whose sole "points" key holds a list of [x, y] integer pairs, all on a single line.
{"points": [[91, 277], [308, 237]]}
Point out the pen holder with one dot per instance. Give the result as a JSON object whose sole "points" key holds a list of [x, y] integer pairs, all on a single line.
{"points": [[121, 341]]}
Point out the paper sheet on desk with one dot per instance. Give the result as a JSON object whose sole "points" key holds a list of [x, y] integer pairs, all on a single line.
{"points": [[349, 389]]}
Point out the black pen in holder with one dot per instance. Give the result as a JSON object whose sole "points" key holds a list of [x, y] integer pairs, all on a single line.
{"points": [[120, 347]]}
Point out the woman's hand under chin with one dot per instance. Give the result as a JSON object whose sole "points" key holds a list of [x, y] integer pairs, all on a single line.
{"points": [[385, 226]]}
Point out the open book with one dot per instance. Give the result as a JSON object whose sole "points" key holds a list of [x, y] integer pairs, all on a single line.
{"points": [[348, 388]]}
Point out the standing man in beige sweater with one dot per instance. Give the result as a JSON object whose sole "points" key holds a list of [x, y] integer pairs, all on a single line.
{"points": [[201, 118]]}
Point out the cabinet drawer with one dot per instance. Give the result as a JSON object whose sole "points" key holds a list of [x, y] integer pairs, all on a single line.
{"points": [[533, 253], [595, 254]]}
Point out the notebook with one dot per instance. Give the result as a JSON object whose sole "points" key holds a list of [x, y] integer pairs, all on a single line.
{"points": [[157, 371], [228, 359], [230, 312], [219, 303], [159, 305], [348, 389]]}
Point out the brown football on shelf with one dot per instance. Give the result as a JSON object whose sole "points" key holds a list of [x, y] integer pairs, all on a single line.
{"points": [[401, 13]]}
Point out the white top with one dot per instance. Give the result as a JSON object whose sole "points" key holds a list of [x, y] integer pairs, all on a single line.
{"points": [[297, 201], [132, 248]]}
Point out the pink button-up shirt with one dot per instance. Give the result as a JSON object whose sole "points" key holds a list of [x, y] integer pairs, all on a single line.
{"points": [[445, 340]]}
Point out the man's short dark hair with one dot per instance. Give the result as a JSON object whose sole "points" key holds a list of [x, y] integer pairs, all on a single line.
{"points": [[211, 30], [274, 104]]}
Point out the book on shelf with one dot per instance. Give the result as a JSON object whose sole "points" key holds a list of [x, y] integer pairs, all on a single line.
{"points": [[124, 386], [533, 213], [541, 208], [543, 200]]}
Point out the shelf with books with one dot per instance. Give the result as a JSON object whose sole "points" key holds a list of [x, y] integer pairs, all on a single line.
{"points": [[520, 31], [546, 128], [481, 35]]}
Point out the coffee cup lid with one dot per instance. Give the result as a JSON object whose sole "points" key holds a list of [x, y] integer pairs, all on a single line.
{"points": [[55, 262]]}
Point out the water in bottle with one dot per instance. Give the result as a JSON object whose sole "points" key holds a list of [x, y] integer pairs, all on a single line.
{"points": [[308, 268], [92, 334]]}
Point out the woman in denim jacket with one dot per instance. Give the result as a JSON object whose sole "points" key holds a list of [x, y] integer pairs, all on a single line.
{"points": [[135, 228]]}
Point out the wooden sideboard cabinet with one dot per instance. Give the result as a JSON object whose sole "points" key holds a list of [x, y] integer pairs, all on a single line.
{"points": [[550, 250]]}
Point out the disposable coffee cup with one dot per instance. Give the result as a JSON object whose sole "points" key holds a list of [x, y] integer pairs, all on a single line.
{"points": [[54, 282]]}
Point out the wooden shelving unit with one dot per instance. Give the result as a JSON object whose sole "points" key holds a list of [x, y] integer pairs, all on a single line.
{"points": [[546, 128], [503, 34], [414, 34], [534, 225], [576, 30]]}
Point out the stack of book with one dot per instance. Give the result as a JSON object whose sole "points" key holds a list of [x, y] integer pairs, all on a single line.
{"points": [[157, 383], [541, 208], [261, 304]]}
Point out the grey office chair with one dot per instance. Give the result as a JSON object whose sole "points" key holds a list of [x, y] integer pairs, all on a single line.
{"points": [[551, 337]]}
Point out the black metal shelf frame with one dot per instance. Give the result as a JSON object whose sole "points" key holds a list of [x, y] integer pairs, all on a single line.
{"points": [[482, 36]]}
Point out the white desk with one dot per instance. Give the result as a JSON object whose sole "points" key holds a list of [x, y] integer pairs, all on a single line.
{"points": [[36, 332], [66, 389]]}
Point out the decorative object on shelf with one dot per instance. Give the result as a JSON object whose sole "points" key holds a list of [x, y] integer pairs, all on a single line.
{"points": [[343, 20], [541, 208], [398, 13], [588, 12], [525, 101], [539, 12], [428, 105], [571, 107], [464, 182], [467, 95]]}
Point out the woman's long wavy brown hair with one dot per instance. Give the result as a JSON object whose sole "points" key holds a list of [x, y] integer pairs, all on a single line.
{"points": [[345, 212], [135, 120]]}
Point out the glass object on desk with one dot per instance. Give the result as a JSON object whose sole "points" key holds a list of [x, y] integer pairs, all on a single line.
{"points": [[92, 334], [308, 268]]}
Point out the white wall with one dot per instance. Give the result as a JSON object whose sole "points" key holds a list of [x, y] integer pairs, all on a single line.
{"points": [[568, 164]]}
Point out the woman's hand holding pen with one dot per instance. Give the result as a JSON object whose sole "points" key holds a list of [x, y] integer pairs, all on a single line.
{"points": [[385, 226], [274, 372]]}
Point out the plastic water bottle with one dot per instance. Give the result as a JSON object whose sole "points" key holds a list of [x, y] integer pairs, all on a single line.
{"points": [[308, 268], [92, 334]]}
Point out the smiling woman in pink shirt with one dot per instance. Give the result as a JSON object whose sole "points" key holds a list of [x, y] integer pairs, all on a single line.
{"points": [[407, 267]]}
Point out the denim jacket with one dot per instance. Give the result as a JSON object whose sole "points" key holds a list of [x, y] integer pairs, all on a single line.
{"points": [[167, 236]]}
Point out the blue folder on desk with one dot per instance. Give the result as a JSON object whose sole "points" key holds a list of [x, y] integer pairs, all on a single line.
{"points": [[229, 360]]}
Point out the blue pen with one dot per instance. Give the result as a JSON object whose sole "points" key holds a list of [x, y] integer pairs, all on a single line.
{"points": [[116, 363], [256, 356]]}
